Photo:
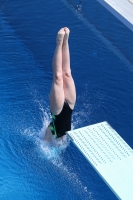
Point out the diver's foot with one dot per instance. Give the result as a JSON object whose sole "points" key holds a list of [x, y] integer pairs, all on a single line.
{"points": [[60, 36], [66, 36]]}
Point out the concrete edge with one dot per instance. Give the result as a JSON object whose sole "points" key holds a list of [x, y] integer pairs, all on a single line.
{"points": [[117, 14]]}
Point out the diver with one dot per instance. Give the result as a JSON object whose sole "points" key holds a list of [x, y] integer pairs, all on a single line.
{"points": [[63, 92]]}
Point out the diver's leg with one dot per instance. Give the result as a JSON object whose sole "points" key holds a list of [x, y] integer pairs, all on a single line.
{"points": [[57, 91], [68, 82]]}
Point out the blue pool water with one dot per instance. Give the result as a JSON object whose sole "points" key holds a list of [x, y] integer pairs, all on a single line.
{"points": [[103, 74]]}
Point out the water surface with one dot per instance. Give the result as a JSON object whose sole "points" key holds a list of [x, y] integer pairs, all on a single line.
{"points": [[30, 169]]}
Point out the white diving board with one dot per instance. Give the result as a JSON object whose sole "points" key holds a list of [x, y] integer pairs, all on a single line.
{"points": [[109, 155], [122, 9]]}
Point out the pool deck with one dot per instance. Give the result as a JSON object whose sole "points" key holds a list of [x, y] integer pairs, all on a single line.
{"points": [[131, 1], [122, 9]]}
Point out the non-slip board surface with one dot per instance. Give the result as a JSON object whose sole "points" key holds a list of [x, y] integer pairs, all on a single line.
{"points": [[109, 154]]}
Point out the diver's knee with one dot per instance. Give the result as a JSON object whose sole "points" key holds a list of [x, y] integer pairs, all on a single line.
{"points": [[58, 77], [67, 74]]}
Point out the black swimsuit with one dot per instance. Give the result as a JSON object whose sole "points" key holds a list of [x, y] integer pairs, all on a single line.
{"points": [[61, 122]]}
